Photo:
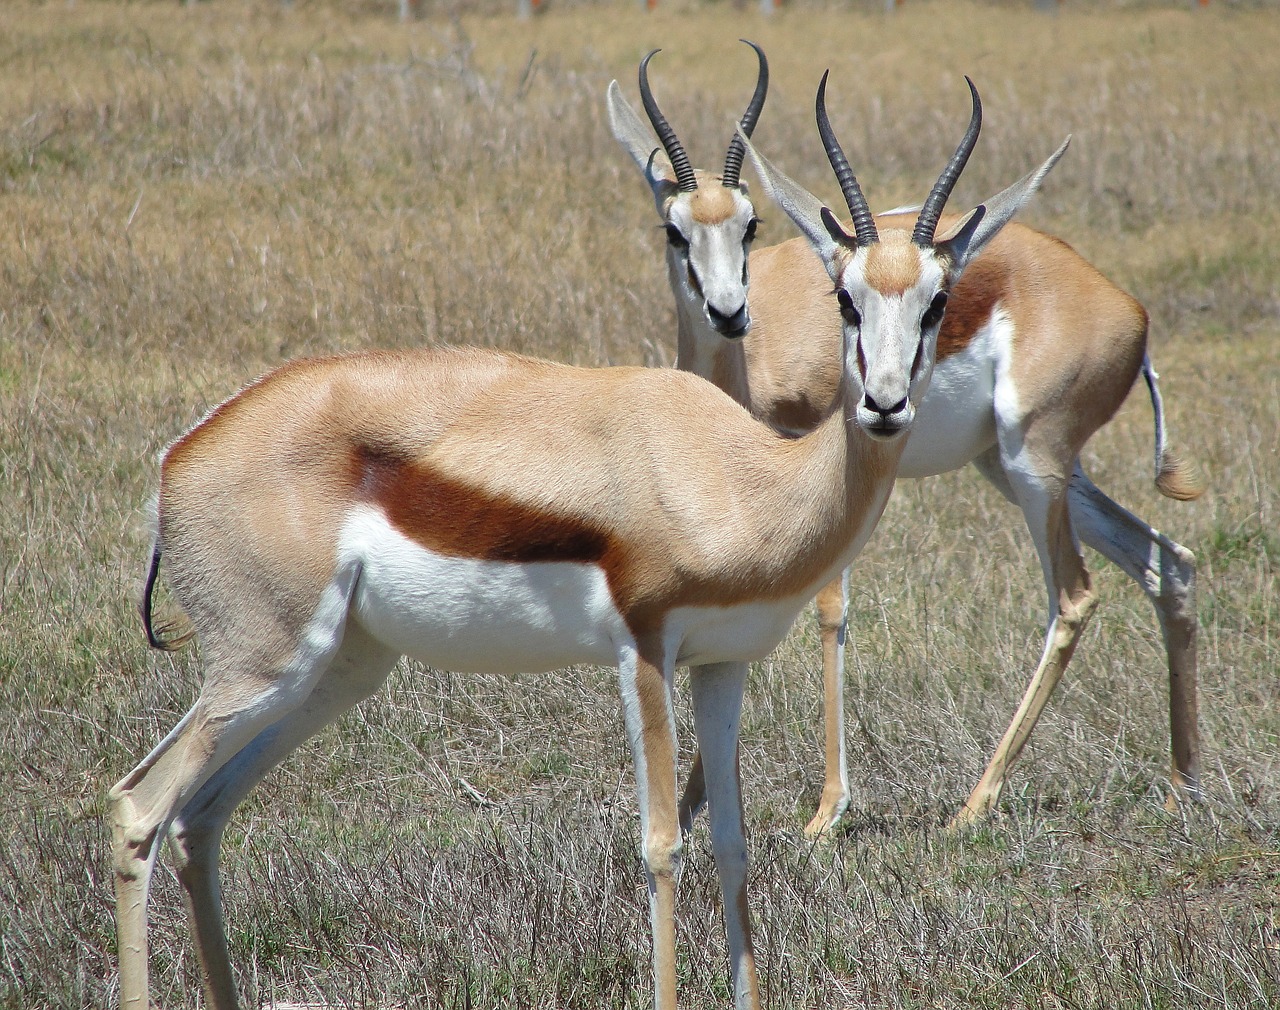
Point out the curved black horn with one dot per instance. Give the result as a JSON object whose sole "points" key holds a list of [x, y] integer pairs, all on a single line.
{"points": [[864, 225], [927, 222], [685, 177], [733, 160]]}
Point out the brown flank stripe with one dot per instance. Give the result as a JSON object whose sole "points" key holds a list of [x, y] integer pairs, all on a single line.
{"points": [[970, 306], [459, 520]]}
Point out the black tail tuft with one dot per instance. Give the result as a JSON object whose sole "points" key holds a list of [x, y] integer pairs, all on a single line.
{"points": [[169, 636]]}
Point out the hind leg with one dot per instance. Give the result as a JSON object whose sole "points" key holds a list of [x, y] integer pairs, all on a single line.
{"points": [[1166, 571], [1032, 483], [249, 685], [145, 801], [195, 838]]}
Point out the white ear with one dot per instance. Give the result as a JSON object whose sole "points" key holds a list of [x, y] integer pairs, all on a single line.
{"points": [[805, 209], [639, 141], [984, 222]]}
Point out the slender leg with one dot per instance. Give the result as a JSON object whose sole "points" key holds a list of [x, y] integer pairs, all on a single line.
{"points": [[832, 606], [195, 838], [717, 708], [1071, 603], [694, 797], [144, 803], [1166, 571], [651, 730], [135, 841], [833, 602], [248, 686]]}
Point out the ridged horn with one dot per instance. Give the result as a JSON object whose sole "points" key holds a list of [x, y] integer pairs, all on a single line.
{"points": [[685, 178], [737, 149], [864, 224], [927, 222]]}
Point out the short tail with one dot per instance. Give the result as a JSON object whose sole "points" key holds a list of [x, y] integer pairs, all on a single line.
{"points": [[169, 635], [1175, 477]]}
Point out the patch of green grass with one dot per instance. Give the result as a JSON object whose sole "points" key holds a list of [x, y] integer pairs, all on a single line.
{"points": [[1247, 544]]}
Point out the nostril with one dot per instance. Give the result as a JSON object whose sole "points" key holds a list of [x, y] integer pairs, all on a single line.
{"points": [[719, 318], [871, 404]]}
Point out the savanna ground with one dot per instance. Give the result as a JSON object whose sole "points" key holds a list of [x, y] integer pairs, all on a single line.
{"points": [[191, 195]]}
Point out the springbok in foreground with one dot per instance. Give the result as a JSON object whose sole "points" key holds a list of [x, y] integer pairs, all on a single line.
{"points": [[1037, 351], [341, 512]]}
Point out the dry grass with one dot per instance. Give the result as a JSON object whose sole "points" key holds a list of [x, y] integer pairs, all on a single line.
{"points": [[191, 195]]}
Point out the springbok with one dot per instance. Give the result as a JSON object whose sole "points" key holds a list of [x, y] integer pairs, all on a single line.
{"points": [[1036, 353], [489, 512]]}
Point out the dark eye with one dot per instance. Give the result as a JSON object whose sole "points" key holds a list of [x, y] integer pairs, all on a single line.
{"points": [[751, 230], [933, 314], [847, 309], [675, 238]]}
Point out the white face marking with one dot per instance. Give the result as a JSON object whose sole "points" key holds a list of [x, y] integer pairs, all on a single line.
{"points": [[478, 616], [955, 423], [888, 358], [708, 262]]}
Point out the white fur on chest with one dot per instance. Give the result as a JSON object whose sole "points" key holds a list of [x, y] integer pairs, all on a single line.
{"points": [[955, 421], [478, 616]]}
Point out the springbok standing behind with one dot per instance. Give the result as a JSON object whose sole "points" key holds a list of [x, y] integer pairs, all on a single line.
{"points": [[341, 512], [1037, 352]]}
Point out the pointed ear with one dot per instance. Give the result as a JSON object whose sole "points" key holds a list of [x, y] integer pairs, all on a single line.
{"points": [[810, 215], [984, 222], [638, 140]]}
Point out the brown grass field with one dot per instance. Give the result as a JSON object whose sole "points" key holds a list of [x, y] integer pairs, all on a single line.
{"points": [[191, 195]]}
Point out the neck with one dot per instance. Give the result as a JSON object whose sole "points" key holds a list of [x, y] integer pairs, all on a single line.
{"points": [[702, 351], [824, 500]]}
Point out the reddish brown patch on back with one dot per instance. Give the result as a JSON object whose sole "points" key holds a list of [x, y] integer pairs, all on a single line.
{"points": [[458, 519], [971, 303]]}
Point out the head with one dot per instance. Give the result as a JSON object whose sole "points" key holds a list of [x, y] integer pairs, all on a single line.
{"points": [[891, 289], [709, 219]]}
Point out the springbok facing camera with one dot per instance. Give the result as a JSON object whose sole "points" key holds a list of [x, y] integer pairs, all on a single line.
{"points": [[342, 512], [1036, 353]]}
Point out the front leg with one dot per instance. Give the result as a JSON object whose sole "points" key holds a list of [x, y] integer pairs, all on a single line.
{"points": [[832, 603], [717, 707], [645, 680]]}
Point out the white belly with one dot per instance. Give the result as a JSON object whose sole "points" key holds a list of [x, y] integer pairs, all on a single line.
{"points": [[749, 631], [956, 422], [497, 617], [478, 616]]}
